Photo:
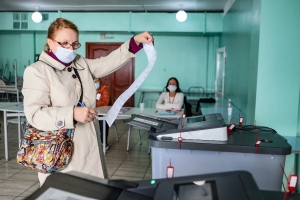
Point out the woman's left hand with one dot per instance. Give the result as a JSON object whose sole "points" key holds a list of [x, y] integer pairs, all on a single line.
{"points": [[143, 38]]}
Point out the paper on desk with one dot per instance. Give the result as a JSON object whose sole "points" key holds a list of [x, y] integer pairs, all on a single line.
{"points": [[113, 112]]}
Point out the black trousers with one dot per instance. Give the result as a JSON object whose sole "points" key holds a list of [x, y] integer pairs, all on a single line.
{"points": [[101, 131]]}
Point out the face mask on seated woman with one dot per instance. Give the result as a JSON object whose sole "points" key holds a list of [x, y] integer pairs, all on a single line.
{"points": [[172, 88]]}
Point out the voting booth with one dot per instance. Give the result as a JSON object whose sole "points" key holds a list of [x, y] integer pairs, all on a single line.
{"points": [[222, 186], [258, 150], [218, 186]]}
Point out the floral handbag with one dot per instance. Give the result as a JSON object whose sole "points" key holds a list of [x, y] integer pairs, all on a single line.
{"points": [[46, 151]]}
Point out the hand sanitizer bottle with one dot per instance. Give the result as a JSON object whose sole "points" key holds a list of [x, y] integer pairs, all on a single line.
{"points": [[229, 107]]}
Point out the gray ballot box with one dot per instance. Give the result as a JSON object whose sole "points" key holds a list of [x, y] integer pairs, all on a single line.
{"points": [[258, 150]]}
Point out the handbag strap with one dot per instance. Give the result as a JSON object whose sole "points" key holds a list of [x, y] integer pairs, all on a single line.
{"points": [[77, 74], [35, 134]]}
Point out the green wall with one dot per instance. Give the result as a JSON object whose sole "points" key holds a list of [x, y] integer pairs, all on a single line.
{"points": [[277, 99], [184, 50], [277, 102], [262, 70], [241, 37], [16, 47], [121, 22]]}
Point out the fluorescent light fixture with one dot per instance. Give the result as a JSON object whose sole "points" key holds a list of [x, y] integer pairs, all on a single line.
{"points": [[36, 16], [181, 16]]}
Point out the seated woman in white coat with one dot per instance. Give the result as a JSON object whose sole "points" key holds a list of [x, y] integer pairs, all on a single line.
{"points": [[173, 98]]}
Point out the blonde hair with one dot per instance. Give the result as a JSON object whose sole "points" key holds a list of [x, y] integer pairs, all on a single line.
{"points": [[59, 23]]}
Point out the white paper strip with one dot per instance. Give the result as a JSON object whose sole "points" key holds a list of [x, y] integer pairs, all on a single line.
{"points": [[114, 111]]}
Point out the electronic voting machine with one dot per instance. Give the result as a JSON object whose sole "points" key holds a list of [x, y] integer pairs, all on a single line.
{"points": [[204, 127]]}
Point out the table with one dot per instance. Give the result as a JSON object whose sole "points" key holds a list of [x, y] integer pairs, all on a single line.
{"points": [[14, 109], [10, 90], [221, 106], [103, 110], [17, 111]]}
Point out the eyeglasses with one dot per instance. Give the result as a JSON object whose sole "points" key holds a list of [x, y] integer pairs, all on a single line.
{"points": [[75, 45]]}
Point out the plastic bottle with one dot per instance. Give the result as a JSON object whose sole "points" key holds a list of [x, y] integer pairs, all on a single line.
{"points": [[229, 107]]}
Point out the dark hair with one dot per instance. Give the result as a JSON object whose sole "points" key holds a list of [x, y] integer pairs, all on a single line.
{"points": [[177, 89]]}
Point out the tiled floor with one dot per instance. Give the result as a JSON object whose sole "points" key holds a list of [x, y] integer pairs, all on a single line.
{"points": [[17, 182]]}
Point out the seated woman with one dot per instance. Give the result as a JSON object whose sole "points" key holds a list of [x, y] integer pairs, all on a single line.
{"points": [[173, 98]]}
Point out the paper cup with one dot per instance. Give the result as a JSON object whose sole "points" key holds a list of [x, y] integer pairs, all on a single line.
{"points": [[142, 105]]}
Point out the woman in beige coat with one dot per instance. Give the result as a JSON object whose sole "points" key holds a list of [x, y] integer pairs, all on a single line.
{"points": [[52, 91]]}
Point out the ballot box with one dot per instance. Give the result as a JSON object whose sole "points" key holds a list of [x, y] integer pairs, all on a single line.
{"points": [[258, 150]]}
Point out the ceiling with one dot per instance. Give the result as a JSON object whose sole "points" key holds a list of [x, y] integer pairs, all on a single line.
{"points": [[112, 5]]}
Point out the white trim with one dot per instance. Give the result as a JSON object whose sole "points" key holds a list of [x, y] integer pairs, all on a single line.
{"points": [[227, 6], [219, 52]]}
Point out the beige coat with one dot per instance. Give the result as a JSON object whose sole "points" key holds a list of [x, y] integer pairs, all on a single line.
{"points": [[50, 94]]}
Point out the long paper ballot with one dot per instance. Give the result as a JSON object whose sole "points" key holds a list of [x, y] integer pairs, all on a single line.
{"points": [[114, 111]]}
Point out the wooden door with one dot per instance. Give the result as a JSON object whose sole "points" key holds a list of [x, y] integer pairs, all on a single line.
{"points": [[121, 79]]}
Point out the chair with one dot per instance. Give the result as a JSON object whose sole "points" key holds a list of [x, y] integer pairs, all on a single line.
{"points": [[116, 131], [187, 108], [195, 90], [194, 93], [113, 99], [15, 121], [149, 103], [128, 139]]}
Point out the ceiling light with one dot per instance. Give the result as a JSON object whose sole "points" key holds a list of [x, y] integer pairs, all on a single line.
{"points": [[36, 16], [181, 16]]}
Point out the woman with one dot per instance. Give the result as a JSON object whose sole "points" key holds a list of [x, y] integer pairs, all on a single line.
{"points": [[52, 90], [173, 98], [102, 99]]}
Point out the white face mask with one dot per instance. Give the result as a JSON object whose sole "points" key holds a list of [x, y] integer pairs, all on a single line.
{"points": [[97, 85], [65, 55], [172, 88]]}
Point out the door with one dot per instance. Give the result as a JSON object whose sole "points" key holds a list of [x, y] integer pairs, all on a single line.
{"points": [[121, 79], [220, 71]]}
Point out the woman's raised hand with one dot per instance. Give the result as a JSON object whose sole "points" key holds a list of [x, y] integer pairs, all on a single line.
{"points": [[144, 37]]}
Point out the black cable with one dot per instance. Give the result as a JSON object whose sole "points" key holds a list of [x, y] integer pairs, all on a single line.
{"points": [[254, 128]]}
